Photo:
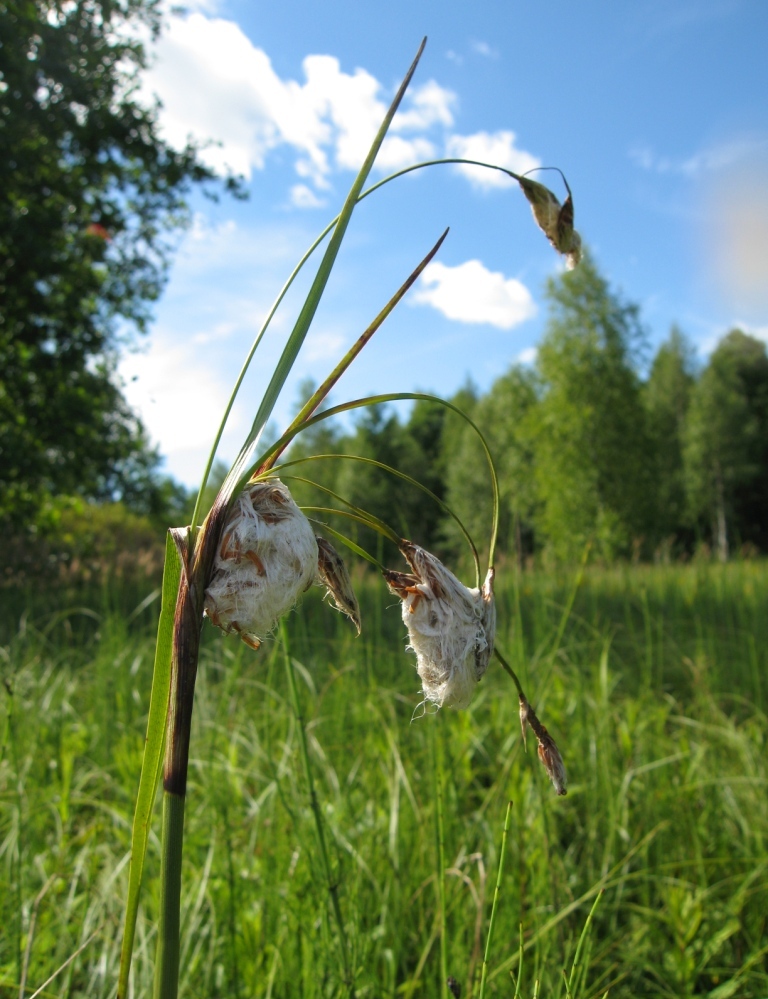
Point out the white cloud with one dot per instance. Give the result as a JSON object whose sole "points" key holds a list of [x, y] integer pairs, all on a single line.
{"points": [[181, 399], [706, 161], [304, 197], [397, 152], [215, 84], [484, 49], [470, 293], [528, 356], [430, 104], [323, 346], [490, 147]]}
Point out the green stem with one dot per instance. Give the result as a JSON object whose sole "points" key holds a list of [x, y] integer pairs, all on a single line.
{"points": [[187, 625], [278, 470], [167, 961], [576, 966], [496, 893], [437, 770], [508, 669], [333, 888]]}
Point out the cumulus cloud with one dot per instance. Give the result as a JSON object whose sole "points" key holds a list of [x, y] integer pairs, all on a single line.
{"points": [[214, 83], [470, 293], [490, 147], [180, 398]]}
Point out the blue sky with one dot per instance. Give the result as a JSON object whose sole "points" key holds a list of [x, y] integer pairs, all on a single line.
{"points": [[656, 111]]}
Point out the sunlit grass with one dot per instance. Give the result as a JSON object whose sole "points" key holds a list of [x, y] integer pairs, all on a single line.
{"points": [[655, 694]]}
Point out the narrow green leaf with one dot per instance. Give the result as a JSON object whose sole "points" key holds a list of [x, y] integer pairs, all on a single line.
{"points": [[347, 541], [153, 752], [279, 446], [460, 161], [312, 300], [278, 470], [366, 520], [380, 525], [322, 391]]}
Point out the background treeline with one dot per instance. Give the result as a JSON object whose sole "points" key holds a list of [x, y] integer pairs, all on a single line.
{"points": [[646, 457]]}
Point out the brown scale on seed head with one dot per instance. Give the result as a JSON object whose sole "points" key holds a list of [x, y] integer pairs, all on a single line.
{"points": [[266, 558]]}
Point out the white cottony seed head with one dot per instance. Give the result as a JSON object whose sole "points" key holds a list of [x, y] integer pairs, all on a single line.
{"points": [[267, 557], [450, 626]]}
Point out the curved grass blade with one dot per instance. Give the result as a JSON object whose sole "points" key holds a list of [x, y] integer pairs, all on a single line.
{"points": [[301, 328], [280, 444], [401, 475], [153, 747], [348, 542], [447, 161], [367, 520], [381, 526]]}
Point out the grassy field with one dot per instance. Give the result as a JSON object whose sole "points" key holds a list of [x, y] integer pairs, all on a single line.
{"points": [[653, 683]]}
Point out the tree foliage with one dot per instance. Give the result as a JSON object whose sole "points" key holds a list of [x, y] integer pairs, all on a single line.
{"points": [[592, 445], [504, 415], [586, 450], [667, 395], [89, 198], [726, 444]]}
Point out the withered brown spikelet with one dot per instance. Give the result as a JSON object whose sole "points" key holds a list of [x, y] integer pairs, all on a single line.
{"points": [[549, 754], [555, 220], [332, 572]]}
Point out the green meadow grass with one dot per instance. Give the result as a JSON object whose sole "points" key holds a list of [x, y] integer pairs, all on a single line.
{"points": [[654, 686]]}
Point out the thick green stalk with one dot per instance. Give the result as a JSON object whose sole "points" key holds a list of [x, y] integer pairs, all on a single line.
{"points": [[167, 962], [496, 893], [333, 887], [187, 626]]}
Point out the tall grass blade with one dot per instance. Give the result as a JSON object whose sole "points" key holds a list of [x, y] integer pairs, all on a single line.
{"points": [[238, 471], [333, 887], [494, 904], [576, 969], [153, 753], [323, 390]]}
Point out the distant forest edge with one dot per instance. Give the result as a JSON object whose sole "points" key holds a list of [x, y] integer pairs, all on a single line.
{"points": [[656, 466]]}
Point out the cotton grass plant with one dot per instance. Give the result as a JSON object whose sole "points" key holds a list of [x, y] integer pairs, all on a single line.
{"points": [[245, 564]]}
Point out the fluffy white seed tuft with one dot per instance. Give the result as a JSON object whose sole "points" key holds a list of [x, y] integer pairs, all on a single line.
{"points": [[267, 558], [451, 627]]}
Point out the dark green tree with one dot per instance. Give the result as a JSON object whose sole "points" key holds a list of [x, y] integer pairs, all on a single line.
{"points": [[726, 444], [667, 395], [592, 448], [381, 436], [89, 199], [504, 417]]}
